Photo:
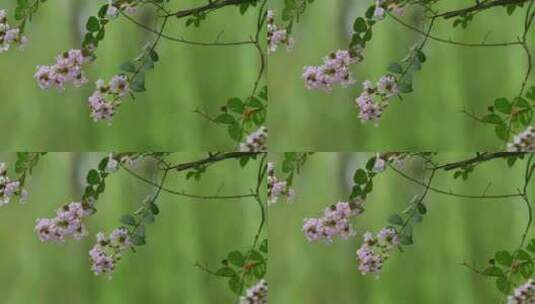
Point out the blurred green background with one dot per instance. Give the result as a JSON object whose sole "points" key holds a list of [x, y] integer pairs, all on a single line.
{"points": [[187, 78], [453, 231], [453, 78], [186, 231]]}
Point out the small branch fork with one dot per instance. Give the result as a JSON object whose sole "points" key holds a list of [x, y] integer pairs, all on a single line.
{"points": [[256, 193], [480, 158], [471, 10]]}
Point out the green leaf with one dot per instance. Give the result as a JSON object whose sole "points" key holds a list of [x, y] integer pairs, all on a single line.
{"points": [[493, 271], [234, 130], [235, 285], [522, 255], [154, 209], [526, 269], [359, 25], [405, 88], [360, 177], [226, 272], [128, 67], [138, 84], [531, 246], [93, 177], [395, 68], [503, 105], [502, 132], [128, 219], [492, 119], [93, 25], [421, 208], [225, 119], [264, 246], [395, 219], [236, 105], [503, 285], [504, 257], [236, 258]]}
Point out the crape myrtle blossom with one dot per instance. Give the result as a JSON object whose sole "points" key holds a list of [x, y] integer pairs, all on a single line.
{"points": [[336, 221], [114, 7], [277, 36], [382, 6], [335, 70], [524, 294], [255, 142], [395, 158], [374, 99], [107, 97], [115, 160], [523, 142], [108, 250], [10, 188], [277, 188], [67, 222], [9, 35], [257, 294], [375, 250], [68, 68]]}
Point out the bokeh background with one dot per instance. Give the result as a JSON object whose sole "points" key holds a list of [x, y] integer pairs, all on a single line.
{"points": [[185, 232], [186, 78], [453, 231], [453, 78]]}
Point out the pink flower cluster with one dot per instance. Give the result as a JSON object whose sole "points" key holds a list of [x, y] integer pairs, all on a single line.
{"points": [[375, 98], [114, 8], [335, 70], [255, 142], [335, 222], [68, 222], [277, 36], [107, 97], [523, 142], [108, 250], [257, 294], [277, 188], [375, 250], [9, 35], [9, 188], [382, 6], [524, 294], [395, 158], [68, 68]]}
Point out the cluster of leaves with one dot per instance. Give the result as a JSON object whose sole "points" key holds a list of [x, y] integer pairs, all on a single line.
{"points": [[404, 221], [511, 268], [464, 20], [510, 116], [96, 183], [292, 164], [362, 29], [95, 27], [25, 163], [406, 68], [24, 11], [244, 268], [292, 10], [197, 18], [240, 116], [136, 222], [136, 68], [363, 180], [464, 172]]}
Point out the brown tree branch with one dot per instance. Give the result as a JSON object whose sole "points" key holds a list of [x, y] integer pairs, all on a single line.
{"points": [[478, 7], [207, 7]]}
